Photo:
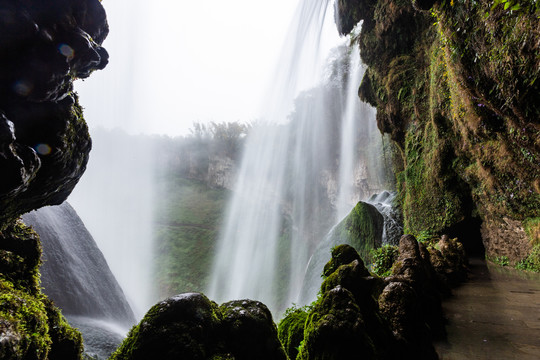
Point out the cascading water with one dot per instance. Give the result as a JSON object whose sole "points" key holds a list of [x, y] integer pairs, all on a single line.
{"points": [[77, 278], [115, 200], [293, 181], [248, 251], [349, 128]]}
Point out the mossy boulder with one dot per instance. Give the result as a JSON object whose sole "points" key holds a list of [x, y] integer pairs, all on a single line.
{"points": [[191, 326], [183, 326], [336, 330], [249, 332], [362, 229]]}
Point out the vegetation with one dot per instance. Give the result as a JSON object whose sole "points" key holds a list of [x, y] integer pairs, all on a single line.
{"points": [[38, 329], [188, 220], [383, 259]]}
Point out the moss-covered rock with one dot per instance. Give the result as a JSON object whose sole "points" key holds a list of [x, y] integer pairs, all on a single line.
{"points": [[335, 329], [31, 327], [191, 326], [182, 326], [248, 331], [291, 330], [362, 229]]}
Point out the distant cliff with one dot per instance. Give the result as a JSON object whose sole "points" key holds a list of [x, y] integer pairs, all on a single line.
{"points": [[456, 85]]}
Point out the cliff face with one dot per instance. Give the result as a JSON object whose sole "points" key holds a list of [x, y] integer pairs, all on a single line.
{"points": [[455, 84], [44, 146]]}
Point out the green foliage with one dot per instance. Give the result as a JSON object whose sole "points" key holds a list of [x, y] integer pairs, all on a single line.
{"points": [[383, 259], [501, 260], [27, 317], [532, 262], [186, 230]]}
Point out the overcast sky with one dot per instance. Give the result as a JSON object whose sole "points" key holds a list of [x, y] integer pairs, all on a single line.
{"points": [[173, 62]]}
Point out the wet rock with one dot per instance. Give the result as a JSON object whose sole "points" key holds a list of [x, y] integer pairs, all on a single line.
{"points": [[335, 329], [449, 260], [181, 327], [44, 141], [401, 306], [418, 273], [342, 255], [248, 331], [190, 326]]}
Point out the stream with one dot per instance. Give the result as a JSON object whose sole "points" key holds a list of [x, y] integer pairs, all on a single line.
{"points": [[495, 315]]}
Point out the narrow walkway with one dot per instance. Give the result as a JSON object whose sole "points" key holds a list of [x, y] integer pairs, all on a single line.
{"points": [[494, 316]]}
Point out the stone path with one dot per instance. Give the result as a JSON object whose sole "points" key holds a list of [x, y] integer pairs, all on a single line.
{"points": [[495, 316]]}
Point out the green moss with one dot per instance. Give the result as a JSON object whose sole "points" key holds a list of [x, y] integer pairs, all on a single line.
{"points": [[383, 259], [291, 330], [341, 255], [33, 327], [334, 329], [362, 229], [27, 316]]}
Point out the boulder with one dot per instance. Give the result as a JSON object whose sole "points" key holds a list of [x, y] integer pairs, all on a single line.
{"points": [[190, 326]]}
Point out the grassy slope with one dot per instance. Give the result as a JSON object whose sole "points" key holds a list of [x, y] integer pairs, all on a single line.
{"points": [[187, 223]]}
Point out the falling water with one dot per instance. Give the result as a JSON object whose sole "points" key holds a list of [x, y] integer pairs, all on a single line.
{"points": [[348, 153], [115, 200], [278, 162], [77, 278], [297, 178]]}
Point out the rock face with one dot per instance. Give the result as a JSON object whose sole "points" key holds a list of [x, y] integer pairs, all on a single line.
{"points": [[44, 146], [189, 326], [44, 142], [455, 88]]}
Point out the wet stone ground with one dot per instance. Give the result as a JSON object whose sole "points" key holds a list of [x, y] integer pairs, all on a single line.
{"points": [[495, 315]]}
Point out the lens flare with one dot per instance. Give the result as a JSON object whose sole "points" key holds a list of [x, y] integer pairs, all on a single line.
{"points": [[43, 149], [67, 51]]}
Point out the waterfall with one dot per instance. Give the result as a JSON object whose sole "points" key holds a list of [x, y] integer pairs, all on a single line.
{"points": [[348, 154], [77, 278], [297, 177], [278, 163], [114, 198]]}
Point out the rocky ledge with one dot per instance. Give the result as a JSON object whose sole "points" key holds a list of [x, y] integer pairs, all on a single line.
{"points": [[44, 141]]}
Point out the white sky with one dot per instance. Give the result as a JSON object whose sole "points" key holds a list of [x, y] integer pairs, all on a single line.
{"points": [[173, 62]]}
